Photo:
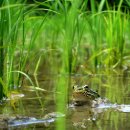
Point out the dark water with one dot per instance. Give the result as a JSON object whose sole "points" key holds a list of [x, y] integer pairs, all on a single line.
{"points": [[40, 104]]}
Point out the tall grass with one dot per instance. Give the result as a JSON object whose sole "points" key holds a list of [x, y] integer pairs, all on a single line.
{"points": [[11, 13], [70, 27], [1, 53], [89, 38], [108, 33], [14, 51]]}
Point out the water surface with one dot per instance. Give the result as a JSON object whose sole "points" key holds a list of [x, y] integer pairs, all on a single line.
{"points": [[40, 104]]}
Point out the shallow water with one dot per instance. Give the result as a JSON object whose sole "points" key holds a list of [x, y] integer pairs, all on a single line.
{"points": [[115, 116]]}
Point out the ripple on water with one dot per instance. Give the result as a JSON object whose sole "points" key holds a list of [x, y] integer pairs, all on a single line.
{"points": [[123, 108]]}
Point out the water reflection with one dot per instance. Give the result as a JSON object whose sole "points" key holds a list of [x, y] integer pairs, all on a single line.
{"points": [[39, 104]]}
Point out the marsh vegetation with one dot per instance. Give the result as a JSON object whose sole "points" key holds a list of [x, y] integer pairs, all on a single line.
{"points": [[48, 46]]}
